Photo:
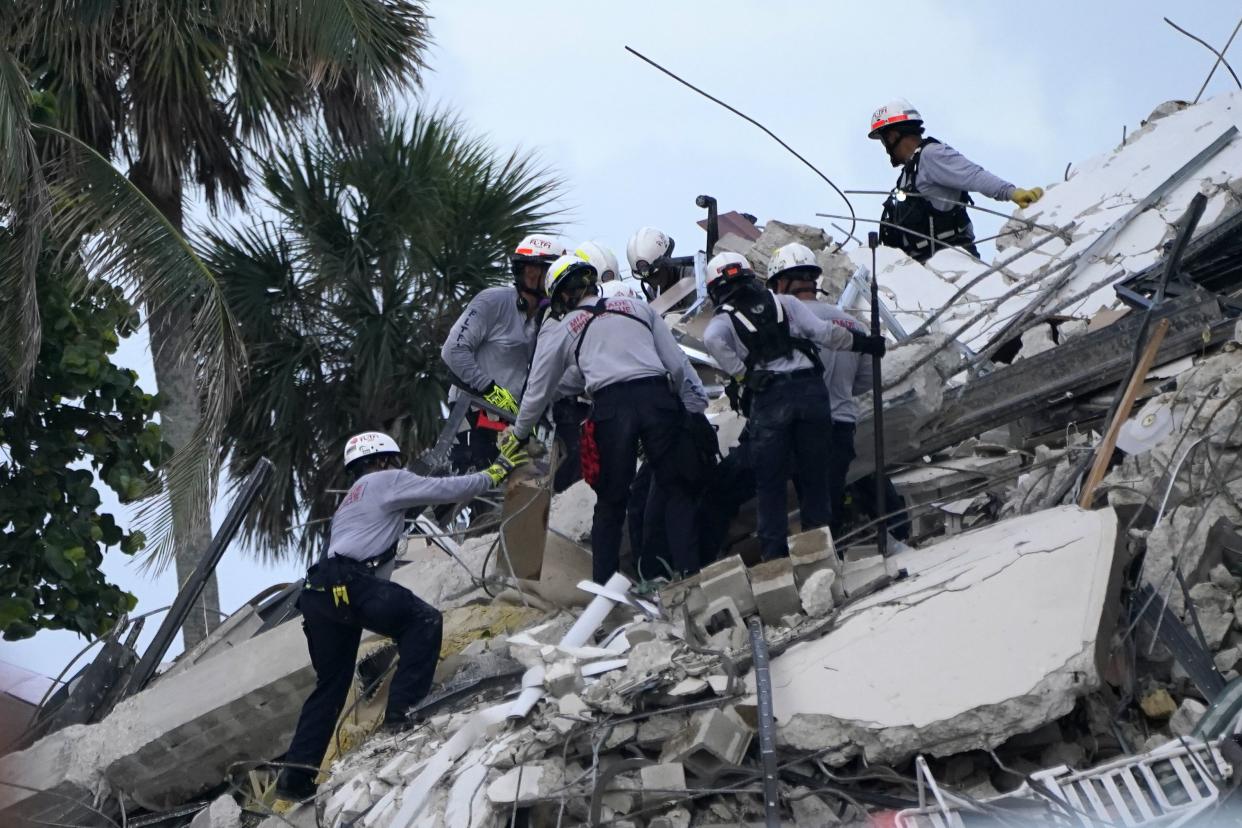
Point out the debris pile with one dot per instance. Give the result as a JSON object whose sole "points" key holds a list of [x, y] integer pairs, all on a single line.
{"points": [[1041, 650]]}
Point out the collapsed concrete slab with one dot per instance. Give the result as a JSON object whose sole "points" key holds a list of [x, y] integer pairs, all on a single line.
{"points": [[178, 737], [996, 632]]}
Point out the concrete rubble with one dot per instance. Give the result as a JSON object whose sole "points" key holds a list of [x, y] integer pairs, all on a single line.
{"points": [[1015, 652]]}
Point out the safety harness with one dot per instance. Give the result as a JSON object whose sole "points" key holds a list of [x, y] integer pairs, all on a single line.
{"points": [[596, 311], [759, 319], [950, 228]]}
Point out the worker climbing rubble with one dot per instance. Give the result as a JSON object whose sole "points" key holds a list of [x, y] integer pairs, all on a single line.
{"points": [[767, 343], [348, 591], [623, 356], [489, 347], [927, 209]]}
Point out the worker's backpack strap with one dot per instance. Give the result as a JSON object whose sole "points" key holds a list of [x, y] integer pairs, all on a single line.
{"points": [[597, 310], [760, 322]]}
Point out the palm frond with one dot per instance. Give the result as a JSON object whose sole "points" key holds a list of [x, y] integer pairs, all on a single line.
{"points": [[23, 191], [345, 299], [129, 242]]}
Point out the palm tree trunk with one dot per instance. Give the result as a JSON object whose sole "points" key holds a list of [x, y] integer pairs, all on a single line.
{"points": [[169, 324]]}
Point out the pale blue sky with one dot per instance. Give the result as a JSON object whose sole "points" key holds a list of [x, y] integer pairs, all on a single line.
{"points": [[1023, 89]]}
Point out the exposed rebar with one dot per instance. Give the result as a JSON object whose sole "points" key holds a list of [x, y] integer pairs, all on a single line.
{"points": [[1220, 56]]}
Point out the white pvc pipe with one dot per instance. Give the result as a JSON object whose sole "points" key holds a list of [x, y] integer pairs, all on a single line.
{"points": [[419, 791]]}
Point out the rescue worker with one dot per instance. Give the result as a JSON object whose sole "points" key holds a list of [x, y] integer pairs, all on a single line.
{"points": [[934, 186], [767, 343], [489, 347], [348, 591], [570, 411], [793, 271], [650, 252], [623, 356]]}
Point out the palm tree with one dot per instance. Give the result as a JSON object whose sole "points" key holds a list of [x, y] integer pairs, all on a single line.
{"points": [[185, 91], [344, 299]]}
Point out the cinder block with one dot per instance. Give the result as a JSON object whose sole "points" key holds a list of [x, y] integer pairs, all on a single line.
{"points": [[721, 622], [775, 591], [811, 552], [714, 738], [660, 782], [727, 578]]}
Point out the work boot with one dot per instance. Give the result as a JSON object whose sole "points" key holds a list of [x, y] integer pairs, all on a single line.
{"points": [[295, 784]]}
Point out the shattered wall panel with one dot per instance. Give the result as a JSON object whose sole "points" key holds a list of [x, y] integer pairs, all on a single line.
{"points": [[994, 633]]}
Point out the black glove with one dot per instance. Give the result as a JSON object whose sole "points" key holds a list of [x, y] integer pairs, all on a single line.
{"points": [[867, 344]]}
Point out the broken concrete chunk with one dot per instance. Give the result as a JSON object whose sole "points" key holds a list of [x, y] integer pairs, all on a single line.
{"points": [[816, 593], [662, 782], [809, 809], [223, 812], [714, 738], [997, 631], [812, 551], [776, 594], [1188, 714], [1226, 580], [527, 783], [1209, 595], [1215, 624], [1158, 704], [571, 704], [727, 578], [562, 678], [650, 658], [1226, 660]]}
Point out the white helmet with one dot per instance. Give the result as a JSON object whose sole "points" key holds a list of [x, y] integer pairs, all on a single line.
{"points": [[601, 258], [645, 247], [896, 111], [368, 443], [617, 289], [564, 269], [726, 265], [536, 248], [793, 256]]}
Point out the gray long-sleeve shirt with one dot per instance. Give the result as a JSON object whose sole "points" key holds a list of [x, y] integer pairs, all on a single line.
{"points": [[726, 346], [944, 173], [845, 373], [490, 342], [370, 518], [616, 349]]}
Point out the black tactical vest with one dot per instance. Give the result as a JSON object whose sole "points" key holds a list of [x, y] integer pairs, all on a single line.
{"points": [[950, 228], [760, 322]]}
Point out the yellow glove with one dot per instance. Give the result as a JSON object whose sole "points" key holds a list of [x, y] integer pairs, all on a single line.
{"points": [[1025, 198], [502, 398], [511, 457]]}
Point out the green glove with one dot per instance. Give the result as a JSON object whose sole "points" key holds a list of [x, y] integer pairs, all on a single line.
{"points": [[511, 457], [502, 398], [1025, 198]]}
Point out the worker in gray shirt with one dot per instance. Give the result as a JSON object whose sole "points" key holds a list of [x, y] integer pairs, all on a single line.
{"points": [[793, 271], [770, 345], [623, 356], [348, 591], [489, 347], [934, 187]]}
